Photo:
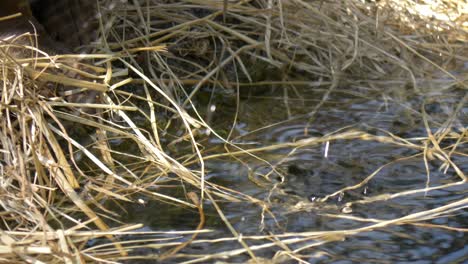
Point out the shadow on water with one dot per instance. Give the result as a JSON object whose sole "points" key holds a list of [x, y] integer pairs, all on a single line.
{"points": [[297, 178]]}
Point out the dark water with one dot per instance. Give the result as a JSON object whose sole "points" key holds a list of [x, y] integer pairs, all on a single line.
{"points": [[302, 176]]}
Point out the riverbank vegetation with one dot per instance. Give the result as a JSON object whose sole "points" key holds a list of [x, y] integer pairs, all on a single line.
{"points": [[85, 136]]}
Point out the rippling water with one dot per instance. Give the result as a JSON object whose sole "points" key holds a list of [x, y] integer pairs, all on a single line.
{"points": [[302, 176]]}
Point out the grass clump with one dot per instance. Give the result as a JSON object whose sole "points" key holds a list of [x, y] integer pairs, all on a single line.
{"points": [[137, 87]]}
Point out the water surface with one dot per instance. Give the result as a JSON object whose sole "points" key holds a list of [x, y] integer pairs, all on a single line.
{"points": [[292, 181]]}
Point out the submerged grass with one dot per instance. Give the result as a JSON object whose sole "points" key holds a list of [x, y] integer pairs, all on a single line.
{"points": [[137, 87]]}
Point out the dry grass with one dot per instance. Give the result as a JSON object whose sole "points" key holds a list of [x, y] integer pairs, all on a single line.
{"points": [[56, 184]]}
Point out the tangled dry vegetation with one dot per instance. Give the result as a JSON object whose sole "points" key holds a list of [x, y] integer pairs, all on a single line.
{"points": [[150, 61]]}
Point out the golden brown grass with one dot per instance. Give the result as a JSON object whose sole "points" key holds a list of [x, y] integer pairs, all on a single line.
{"points": [[54, 200]]}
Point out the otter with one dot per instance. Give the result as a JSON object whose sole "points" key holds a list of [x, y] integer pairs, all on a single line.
{"points": [[61, 26], [55, 23]]}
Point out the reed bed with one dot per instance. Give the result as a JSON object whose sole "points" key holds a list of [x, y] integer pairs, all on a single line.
{"points": [[62, 171]]}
